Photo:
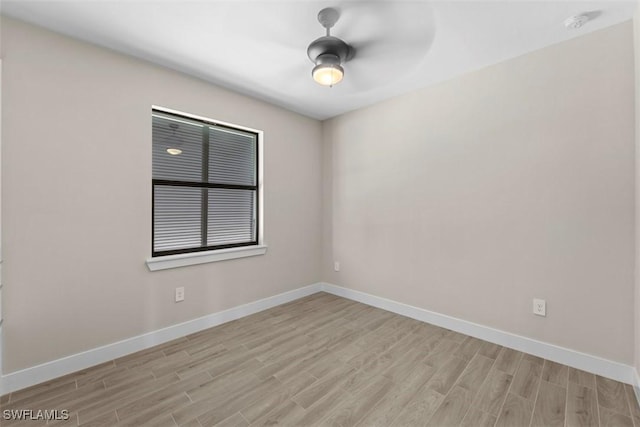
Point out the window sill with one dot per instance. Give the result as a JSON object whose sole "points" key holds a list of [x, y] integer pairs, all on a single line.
{"points": [[182, 260]]}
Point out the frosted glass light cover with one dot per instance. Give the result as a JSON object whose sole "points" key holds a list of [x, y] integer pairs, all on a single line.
{"points": [[328, 75]]}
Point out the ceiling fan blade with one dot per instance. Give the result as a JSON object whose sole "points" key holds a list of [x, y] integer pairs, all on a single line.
{"points": [[386, 47]]}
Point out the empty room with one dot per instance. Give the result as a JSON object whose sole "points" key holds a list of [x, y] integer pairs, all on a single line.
{"points": [[314, 213]]}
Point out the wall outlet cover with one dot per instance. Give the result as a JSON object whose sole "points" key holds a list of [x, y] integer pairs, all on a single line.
{"points": [[539, 307], [180, 294]]}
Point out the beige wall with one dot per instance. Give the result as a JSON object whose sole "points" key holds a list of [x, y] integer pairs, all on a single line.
{"points": [[76, 178], [474, 196], [636, 21]]}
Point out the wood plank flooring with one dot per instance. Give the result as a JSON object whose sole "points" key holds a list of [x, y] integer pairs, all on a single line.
{"points": [[324, 360]]}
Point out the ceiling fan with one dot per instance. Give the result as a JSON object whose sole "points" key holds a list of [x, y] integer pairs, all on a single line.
{"points": [[328, 53]]}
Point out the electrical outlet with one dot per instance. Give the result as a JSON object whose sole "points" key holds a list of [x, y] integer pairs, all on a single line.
{"points": [[180, 294], [539, 307], [336, 265]]}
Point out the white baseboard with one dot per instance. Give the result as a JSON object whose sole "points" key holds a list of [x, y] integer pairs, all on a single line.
{"points": [[636, 385], [603, 367], [56, 368], [50, 370]]}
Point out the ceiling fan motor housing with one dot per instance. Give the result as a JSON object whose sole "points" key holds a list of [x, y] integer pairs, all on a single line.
{"points": [[329, 45]]}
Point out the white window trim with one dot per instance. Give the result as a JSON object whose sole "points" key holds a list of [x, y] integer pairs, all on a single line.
{"points": [[193, 258]]}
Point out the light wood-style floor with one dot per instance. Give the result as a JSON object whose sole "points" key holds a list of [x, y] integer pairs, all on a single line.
{"points": [[325, 360]]}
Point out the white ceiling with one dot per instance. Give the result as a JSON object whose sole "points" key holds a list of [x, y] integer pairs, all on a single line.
{"points": [[259, 47]]}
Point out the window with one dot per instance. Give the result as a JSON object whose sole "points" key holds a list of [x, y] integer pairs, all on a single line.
{"points": [[205, 185]]}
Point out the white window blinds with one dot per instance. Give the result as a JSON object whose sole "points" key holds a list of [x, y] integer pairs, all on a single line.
{"points": [[205, 189]]}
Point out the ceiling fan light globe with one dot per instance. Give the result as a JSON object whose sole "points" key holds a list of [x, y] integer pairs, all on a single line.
{"points": [[327, 74]]}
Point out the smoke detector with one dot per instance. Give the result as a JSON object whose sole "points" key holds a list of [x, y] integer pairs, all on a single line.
{"points": [[575, 22]]}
